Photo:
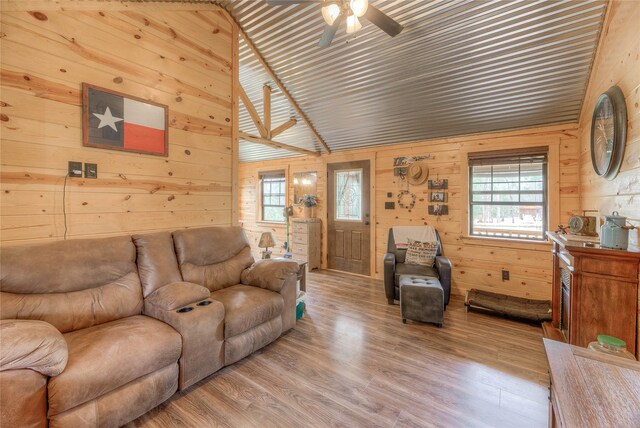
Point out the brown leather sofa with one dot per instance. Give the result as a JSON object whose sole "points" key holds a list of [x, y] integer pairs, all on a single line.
{"points": [[96, 332], [256, 299]]}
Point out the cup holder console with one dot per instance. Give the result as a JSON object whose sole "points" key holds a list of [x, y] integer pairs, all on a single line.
{"points": [[185, 309], [205, 303]]}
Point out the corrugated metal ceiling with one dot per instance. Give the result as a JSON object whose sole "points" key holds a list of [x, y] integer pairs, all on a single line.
{"points": [[458, 67]]}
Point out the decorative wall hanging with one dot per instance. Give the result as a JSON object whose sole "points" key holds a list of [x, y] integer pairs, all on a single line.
{"points": [[399, 167], [438, 210], [439, 184], [608, 133], [438, 197], [116, 121], [417, 173], [405, 194], [401, 164]]}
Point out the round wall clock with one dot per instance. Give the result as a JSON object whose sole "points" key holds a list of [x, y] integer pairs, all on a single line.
{"points": [[608, 133]]}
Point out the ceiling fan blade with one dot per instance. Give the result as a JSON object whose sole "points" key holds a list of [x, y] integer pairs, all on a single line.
{"points": [[383, 21], [330, 32]]}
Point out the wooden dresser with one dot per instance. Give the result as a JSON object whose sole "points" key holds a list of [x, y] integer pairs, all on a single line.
{"points": [[306, 242], [594, 291], [591, 389]]}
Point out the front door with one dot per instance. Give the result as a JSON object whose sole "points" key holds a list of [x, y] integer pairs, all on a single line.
{"points": [[348, 217]]}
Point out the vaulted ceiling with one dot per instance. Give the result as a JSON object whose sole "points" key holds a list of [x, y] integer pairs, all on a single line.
{"points": [[459, 67]]}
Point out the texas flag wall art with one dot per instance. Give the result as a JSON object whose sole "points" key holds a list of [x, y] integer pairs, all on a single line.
{"points": [[116, 121]]}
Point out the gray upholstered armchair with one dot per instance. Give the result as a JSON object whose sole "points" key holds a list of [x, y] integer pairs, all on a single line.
{"points": [[394, 266]]}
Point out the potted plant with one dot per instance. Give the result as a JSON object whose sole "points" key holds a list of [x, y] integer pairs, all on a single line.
{"points": [[308, 202]]}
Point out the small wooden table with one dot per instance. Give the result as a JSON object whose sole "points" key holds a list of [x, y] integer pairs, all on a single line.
{"points": [[591, 389], [302, 274], [302, 271]]}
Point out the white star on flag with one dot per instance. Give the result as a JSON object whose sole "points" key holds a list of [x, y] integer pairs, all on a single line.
{"points": [[107, 119]]}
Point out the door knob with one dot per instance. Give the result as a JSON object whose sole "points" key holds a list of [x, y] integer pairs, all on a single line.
{"points": [[366, 223]]}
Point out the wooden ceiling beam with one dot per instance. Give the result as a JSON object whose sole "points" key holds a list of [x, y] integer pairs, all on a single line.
{"points": [[264, 141], [280, 129], [277, 81], [252, 112], [266, 109]]}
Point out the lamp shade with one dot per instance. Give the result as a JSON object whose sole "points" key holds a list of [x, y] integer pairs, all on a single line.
{"points": [[359, 7], [267, 240], [353, 24], [330, 12]]}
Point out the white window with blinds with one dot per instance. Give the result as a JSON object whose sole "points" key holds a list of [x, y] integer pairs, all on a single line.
{"points": [[508, 194], [272, 196]]}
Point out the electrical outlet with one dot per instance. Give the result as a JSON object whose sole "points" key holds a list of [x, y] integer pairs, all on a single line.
{"points": [[75, 169], [505, 275], [389, 205], [90, 170], [389, 195]]}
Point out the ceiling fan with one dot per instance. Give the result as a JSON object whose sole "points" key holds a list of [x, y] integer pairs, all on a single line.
{"points": [[336, 11]]}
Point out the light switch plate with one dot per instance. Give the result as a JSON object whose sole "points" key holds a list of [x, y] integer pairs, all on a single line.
{"points": [[75, 169], [90, 170]]}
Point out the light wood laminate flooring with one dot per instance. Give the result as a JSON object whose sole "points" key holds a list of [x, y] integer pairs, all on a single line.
{"points": [[351, 362]]}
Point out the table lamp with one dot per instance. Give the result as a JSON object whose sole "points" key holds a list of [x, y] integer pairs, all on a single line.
{"points": [[267, 240]]}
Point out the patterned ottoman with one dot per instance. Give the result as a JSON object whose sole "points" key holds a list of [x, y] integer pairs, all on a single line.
{"points": [[421, 299]]}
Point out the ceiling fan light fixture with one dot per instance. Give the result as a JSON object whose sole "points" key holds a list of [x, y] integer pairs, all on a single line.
{"points": [[330, 12], [359, 7], [353, 24]]}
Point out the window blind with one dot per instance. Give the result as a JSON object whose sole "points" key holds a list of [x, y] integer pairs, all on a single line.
{"points": [[508, 193], [273, 193]]}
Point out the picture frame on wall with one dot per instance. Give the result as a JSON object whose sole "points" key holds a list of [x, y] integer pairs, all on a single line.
{"points": [[439, 184], [116, 121], [400, 166], [438, 197], [438, 210]]}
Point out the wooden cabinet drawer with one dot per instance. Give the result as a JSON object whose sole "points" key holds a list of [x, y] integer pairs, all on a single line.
{"points": [[299, 238], [300, 249], [611, 267], [299, 228], [300, 254]]}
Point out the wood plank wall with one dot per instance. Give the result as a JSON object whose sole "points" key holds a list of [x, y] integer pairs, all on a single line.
{"points": [[477, 263], [617, 63], [175, 54]]}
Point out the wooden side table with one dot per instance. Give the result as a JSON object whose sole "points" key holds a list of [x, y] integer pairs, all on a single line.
{"points": [[591, 389], [302, 271], [302, 274]]}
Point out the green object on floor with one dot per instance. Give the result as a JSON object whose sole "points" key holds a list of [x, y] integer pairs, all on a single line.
{"points": [[299, 310]]}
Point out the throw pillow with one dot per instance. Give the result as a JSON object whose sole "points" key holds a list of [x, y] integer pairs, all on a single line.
{"points": [[421, 253]]}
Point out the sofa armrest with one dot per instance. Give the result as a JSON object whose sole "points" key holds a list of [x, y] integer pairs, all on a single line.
{"points": [[269, 274], [389, 276], [32, 344], [200, 321], [443, 266], [176, 295]]}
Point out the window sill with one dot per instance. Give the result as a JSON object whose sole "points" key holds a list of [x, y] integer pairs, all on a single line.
{"points": [[274, 223], [510, 243]]}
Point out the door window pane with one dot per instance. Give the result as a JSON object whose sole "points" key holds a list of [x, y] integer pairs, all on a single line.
{"points": [[348, 194]]}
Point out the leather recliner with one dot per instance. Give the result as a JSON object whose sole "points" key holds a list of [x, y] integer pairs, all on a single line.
{"points": [[76, 348], [258, 298], [395, 266]]}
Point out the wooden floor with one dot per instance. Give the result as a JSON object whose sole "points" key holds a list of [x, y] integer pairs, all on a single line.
{"points": [[351, 362]]}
